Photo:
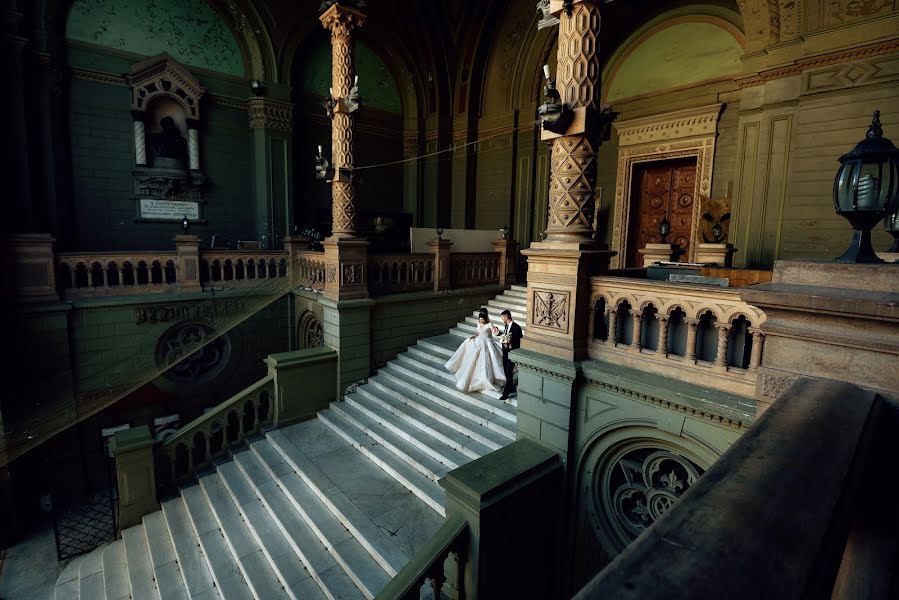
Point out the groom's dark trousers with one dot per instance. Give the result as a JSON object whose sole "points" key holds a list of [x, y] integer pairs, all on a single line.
{"points": [[508, 366]]}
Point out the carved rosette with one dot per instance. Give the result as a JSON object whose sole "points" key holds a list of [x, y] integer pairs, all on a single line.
{"points": [[571, 193]]}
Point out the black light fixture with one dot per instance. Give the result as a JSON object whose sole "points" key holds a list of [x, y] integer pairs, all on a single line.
{"points": [[664, 230], [891, 224], [866, 190], [556, 115], [439, 233], [322, 166], [185, 224], [504, 231], [256, 87]]}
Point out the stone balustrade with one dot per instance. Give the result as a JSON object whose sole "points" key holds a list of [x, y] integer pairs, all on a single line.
{"points": [[400, 273], [664, 327], [210, 436], [81, 275], [241, 267], [469, 269]]}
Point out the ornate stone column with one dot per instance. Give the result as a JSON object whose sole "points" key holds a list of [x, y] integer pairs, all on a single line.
{"points": [[692, 327], [755, 356], [637, 331], [723, 339], [559, 267], [662, 347], [613, 326], [345, 254]]}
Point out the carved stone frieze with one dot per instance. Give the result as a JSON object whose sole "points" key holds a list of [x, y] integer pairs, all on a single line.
{"points": [[868, 71], [165, 313], [353, 274], [572, 185], [270, 114], [692, 122], [331, 273]]}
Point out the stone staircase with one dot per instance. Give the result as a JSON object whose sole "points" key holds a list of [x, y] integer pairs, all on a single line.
{"points": [[329, 508]]}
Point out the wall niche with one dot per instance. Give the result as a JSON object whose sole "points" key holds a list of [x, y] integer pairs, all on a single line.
{"points": [[165, 104]]}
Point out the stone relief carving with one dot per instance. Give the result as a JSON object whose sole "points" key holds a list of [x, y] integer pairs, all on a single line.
{"points": [[331, 273], [774, 386], [270, 114], [312, 334], [192, 353], [353, 274], [840, 11], [714, 212], [551, 310], [179, 312], [641, 486]]}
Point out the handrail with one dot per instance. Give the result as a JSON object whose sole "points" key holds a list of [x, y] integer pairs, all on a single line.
{"points": [[428, 563], [210, 435], [770, 518]]}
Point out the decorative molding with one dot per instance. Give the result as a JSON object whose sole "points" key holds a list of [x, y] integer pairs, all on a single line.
{"points": [[684, 133], [881, 69], [689, 411], [226, 102], [546, 373], [162, 75], [701, 121], [270, 114], [97, 77], [164, 313], [552, 278], [821, 60]]}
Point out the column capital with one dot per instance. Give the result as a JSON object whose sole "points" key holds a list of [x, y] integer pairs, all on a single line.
{"points": [[270, 114], [341, 20]]}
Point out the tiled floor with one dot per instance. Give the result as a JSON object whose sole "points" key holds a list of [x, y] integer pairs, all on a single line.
{"points": [[31, 568]]}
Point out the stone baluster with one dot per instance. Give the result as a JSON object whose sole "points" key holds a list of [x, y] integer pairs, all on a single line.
{"points": [[209, 444], [755, 358], [662, 347], [105, 273], [613, 326], [591, 322], [692, 328], [73, 271], [441, 249], [723, 340], [637, 333]]}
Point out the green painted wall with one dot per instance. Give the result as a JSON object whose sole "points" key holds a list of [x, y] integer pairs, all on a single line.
{"points": [[679, 55], [103, 158], [376, 85], [189, 30]]}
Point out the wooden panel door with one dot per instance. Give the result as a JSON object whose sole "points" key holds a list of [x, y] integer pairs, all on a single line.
{"points": [[664, 190]]}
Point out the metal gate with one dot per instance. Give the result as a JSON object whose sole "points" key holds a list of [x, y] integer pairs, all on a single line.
{"points": [[85, 519]]}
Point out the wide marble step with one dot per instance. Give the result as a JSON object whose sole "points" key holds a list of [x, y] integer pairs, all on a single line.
{"points": [[140, 567], [195, 572], [166, 570], [115, 572]]}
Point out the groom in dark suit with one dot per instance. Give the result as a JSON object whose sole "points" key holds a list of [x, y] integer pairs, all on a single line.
{"points": [[514, 330]]}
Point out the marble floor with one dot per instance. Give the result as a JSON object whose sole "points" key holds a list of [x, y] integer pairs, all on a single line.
{"points": [[30, 569]]}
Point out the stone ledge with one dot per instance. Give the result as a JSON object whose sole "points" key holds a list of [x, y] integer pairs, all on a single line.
{"points": [[818, 299]]}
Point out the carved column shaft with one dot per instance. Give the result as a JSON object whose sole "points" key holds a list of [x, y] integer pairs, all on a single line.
{"points": [[692, 327], [637, 330], [662, 347], [613, 326], [755, 358], [573, 162], [140, 143], [723, 339], [341, 21], [193, 149]]}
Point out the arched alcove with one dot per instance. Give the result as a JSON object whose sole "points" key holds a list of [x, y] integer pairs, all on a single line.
{"points": [[672, 54]]}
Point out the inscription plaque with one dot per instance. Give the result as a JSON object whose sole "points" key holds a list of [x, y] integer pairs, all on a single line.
{"points": [[169, 210]]}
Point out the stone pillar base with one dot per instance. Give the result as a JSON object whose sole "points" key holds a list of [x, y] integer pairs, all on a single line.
{"points": [[188, 249], [656, 253], [136, 475], [346, 264], [715, 254], [559, 295], [347, 329]]}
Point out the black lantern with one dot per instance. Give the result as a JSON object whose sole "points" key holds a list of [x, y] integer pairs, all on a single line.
{"points": [[185, 224], [664, 230], [555, 114], [439, 233], [866, 190]]}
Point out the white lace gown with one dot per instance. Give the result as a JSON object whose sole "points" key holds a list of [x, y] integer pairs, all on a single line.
{"points": [[478, 363]]}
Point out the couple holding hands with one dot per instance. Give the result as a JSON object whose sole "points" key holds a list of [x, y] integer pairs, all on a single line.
{"points": [[481, 362]]}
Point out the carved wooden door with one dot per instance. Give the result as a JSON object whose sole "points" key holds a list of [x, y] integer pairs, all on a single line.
{"points": [[664, 190]]}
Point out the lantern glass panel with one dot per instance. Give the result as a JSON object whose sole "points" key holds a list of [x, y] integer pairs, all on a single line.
{"points": [[869, 180]]}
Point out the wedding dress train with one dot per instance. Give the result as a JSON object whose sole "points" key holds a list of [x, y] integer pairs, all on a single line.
{"points": [[478, 363]]}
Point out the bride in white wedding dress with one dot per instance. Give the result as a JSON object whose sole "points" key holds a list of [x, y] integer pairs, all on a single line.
{"points": [[478, 362]]}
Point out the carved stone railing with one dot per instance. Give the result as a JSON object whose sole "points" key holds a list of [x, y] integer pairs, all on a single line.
{"points": [[239, 268], [394, 273], [475, 268], [701, 334], [308, 270], [790, 511], [428, 564], [114, 273], [210, 436]]}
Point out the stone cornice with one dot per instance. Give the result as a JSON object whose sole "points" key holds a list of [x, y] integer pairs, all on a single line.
{"points": [[691, 411], [691, 122], [821, 60]]}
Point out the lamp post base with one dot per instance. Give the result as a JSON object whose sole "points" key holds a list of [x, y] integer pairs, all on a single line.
{"points": [[860, 250]]}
